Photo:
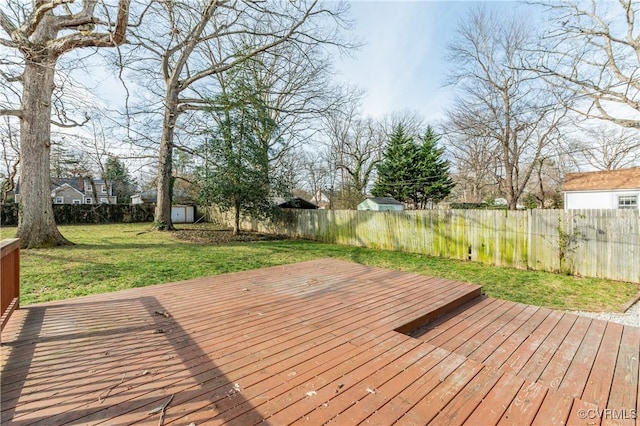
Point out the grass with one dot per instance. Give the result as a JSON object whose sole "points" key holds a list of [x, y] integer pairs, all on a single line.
{"points": [[114, 257]]}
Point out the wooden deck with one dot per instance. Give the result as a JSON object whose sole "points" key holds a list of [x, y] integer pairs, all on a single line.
{"points": [[317, 342]]}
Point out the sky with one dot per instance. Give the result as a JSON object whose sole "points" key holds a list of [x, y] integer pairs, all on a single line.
{"points": [[403, 62]]}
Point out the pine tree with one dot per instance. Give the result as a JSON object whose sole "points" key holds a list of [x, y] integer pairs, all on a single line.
{"points": [[116, 172], [395, 171], [414, 172], [433, 180]]}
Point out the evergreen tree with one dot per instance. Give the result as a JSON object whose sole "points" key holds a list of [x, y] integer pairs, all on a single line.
{"points": [[433, 180], [116, 172], [237, 175], [413, 172], [396, 170]]}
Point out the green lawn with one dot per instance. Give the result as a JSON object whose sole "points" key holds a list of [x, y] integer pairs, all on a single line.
{"points": [[114, 257]]}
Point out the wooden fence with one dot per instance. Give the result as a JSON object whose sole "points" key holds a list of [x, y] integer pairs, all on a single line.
{"points": [[595, 243], [9, 278]]}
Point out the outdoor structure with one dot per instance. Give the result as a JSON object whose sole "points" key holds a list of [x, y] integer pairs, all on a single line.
{"points": [[611, 189], [379, 204], [183, 213], [314, 342], [295, 203], [78, 191], [180, 196], [180, 213]]}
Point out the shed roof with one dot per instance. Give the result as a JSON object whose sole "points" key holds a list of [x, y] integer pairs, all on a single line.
{"points": [[295, 203], [384, 200], [601, 180]]}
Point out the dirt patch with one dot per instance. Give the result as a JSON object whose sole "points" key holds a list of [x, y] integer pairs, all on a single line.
{"points": [[214, 234]]}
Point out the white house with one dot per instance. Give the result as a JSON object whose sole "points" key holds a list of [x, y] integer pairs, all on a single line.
{"points": [[378, 204], [614, 189]]}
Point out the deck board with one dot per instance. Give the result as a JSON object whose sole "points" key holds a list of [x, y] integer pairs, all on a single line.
{"points": [[315, 342]]}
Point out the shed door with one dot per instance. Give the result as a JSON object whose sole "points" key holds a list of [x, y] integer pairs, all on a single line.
{"points": [[178, 214]]}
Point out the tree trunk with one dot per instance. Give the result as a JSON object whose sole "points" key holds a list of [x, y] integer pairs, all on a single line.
{"points": [[37, 226], [236, 222], [165, 162]]}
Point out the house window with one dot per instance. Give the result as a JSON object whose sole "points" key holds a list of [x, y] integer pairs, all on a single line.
{"points": [[59, 200], [89, 189], [76, 202], [103, 189], [88, 200], [628, 202], [103, 200]]}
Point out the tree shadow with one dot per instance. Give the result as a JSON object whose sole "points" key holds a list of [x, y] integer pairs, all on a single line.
{"points": [[87, 361]]}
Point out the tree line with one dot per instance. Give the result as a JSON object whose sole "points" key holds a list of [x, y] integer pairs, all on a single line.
{"points": [[238, 98]]}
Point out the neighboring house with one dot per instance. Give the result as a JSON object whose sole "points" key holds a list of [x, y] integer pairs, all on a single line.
{"points": [[78, 191], [321, 199], [614, 189], [381, 204]]}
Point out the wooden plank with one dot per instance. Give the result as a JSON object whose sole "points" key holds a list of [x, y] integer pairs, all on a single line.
{"points": [[413, 393], [460, 336], [531, 337], [554, 410], [554, 372], [584, 414], [467, 400], [387, 392], [525, 405], [576, 375], [481, 332], [493, 406], [354, 396], [325, 392], [457, 318], [430, 405], [624, 387], [530, 315], [599, 383], [541, 358]]}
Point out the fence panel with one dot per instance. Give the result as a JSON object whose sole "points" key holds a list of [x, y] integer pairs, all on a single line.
{"points": [[595, 243]]}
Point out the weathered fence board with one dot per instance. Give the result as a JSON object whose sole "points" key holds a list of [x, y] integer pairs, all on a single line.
{"points": [[595, 243]]}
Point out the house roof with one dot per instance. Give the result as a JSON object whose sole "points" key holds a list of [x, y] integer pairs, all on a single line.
{"points": [[295, 203], [609, 179], [384, 200], [72, 182], [151, 196]]}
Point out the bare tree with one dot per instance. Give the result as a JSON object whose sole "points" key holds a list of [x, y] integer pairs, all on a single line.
{"points": [[604, 148], [37, 36], [315, 173], [356, 147], [498, 99], [10, 144], [592, 51], [475, 164], [190, 43]]}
